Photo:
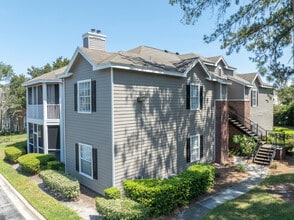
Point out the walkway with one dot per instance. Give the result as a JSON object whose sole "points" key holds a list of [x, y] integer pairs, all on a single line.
{"points": [[13, 205], [199, 209]]}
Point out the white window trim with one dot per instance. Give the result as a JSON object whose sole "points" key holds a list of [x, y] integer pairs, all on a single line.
{"points": [[195, 147], [80, 160], [78, 96], [254, 91], [191, 98]]}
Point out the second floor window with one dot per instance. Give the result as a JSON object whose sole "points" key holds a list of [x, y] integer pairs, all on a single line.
{"points": [[194, 97], [254, 98], [84, 96]]}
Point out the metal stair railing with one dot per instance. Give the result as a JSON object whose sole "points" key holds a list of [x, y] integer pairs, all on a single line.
{"points": [[249, 124]]}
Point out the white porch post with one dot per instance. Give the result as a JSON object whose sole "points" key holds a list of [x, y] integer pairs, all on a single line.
{"points": [[27, 122], [45, 127], [61, 122]]}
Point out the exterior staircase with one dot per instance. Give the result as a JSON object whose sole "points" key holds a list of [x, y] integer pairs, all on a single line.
{"points": [[265, 153], [246, 130]]}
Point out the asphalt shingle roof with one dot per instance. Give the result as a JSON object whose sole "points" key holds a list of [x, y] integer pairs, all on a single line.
{"points": [[51, 76], [145, 57]]}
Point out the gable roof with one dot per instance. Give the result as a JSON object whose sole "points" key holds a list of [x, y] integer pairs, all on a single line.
{"points": [[213, 61], [142, 58], [252, 77], [249, 77], [52, 77]]}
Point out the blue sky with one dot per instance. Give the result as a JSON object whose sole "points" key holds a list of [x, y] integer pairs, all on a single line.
{"points": [[36, 32]]}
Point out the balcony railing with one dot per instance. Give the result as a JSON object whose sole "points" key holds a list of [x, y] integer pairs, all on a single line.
{"points": [[53, 111], [35, 111]]}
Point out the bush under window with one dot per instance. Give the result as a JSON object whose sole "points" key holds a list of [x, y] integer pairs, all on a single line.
{"points": [[62, 183], [33, 162]]}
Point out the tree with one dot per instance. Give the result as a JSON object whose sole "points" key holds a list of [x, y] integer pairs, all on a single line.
{"points": [[37, 71], [6, 72], [286, 95], [16, 100], [263, 27]]}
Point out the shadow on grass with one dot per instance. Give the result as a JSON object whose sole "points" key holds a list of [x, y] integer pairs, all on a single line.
{"points": [[257, 204]]}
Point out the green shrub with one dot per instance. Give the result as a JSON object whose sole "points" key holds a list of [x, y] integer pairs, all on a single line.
{"points": [[240, 168], [244, 145], [62, 183], [116, 209], [32, 163], [13, 153], [198, 178], [55, 165], [162, 196], [112, 193]]}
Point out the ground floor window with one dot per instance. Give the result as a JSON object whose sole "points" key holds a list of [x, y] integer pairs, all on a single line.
{"points": [[85, 159], [195, 151], [195, 147]]}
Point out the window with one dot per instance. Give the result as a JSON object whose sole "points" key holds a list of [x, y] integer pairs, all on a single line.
{"points": [[220, 71], [30, 95], [84, 96], [85, 159], [40, 95], [224, 92], [53, 94], [254, 98], [194, 96], [195, 147]]}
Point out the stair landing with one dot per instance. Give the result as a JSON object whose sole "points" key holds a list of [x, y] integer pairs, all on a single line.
{"points": [[265, 154]]}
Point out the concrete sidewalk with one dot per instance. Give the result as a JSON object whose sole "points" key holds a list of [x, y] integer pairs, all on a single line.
{"points": [[199, 209], [13, 205]]}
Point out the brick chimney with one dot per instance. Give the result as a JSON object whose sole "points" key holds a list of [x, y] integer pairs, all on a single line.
{"points": [[94, 40]]}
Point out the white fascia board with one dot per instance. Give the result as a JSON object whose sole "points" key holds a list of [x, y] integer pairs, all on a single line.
{"points": [[266, 87], [40, 81], [136, 68], [240, 82], [194, 64], [261, 83], [219, 81], [73, 59], [215, 64]]}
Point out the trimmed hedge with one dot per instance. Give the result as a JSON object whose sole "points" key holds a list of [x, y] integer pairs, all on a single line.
{"points": [[33, 162], [13, 153], [116, 209], [112, 193], [55, 165], [62, 183], [162, 196]]}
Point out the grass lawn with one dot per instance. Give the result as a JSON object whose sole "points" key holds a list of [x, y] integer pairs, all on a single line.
{"points": [[287, 130], [257, 204], [49, 207]]}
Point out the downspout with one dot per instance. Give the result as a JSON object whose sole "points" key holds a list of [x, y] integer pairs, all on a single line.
{"points": [[27, 121], [112, 128], [63, 122]]}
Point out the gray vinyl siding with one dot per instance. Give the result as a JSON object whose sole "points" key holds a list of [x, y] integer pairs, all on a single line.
{"points": [[151, 137], [93, 129], [263, 113], [236, 91]]}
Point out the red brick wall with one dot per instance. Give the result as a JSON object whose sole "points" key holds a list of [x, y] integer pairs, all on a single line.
{"points": [[222, 131], [242, 108]]}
